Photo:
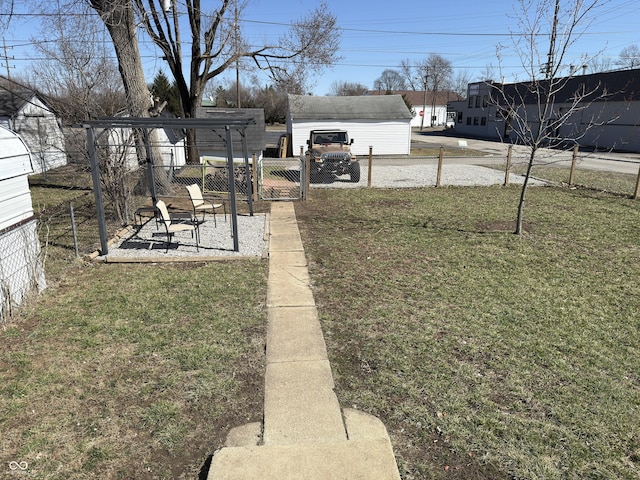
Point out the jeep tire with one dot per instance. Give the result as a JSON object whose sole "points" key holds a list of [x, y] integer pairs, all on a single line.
{"points": [[354, 172]]}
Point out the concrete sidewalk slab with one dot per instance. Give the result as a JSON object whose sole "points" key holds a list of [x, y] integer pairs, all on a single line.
{"points": [[363, 426], [295, 258], [300, 405], [289, 286], [285, 241], [347, 460], [294, 335]]}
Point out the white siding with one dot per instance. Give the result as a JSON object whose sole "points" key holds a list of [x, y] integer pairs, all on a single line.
{"points": [[15, 165], [386, 137], [39, 128], [15, 159], [440, 114], [20, 266], [15, 201]]}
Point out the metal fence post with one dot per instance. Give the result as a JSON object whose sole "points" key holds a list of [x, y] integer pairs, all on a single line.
{"points": [[73, 229], [97, 189], [232, 190], [254, 176], [307, 171]]}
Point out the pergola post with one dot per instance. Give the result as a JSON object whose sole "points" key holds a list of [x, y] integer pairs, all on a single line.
{"points": [[97, 189], [232, 190]]}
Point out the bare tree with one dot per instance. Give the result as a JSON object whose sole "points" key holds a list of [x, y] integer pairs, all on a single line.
{"points": [[596, 64], [7, 10], [437, 72], [346, 88], [413, 77], [434, 74], [217, 44], [119, 19], [539, 107], [390, 81], [488, 74], [630, 57], [273, 101], [460, 82], [77, 72]]}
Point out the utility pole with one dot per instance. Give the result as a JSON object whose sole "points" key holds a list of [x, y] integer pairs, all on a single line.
{"points": [[552, 44], [6, 57], [424, 101], [236, 34]]}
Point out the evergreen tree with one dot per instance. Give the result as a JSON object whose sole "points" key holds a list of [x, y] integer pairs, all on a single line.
{"points": [[164, 91]]}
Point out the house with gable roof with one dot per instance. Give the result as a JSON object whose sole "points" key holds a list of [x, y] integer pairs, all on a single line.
{"points": [[25, 112]]}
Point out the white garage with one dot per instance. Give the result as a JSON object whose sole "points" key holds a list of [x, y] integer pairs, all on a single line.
{"points": [[381, 122]]}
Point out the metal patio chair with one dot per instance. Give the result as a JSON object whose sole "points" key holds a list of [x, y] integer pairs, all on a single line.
{"points": [[199, 204], [173, 225]]}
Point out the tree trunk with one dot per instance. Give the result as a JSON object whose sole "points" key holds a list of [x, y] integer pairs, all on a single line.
{"points": [[118, 17], [523, 193]]}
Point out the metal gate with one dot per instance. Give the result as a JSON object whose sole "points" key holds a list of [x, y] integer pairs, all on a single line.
{"points": [[281, 178]]}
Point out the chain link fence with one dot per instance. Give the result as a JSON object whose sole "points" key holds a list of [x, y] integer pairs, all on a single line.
{"points": [[212, 177], [281, 178], [614, 173], [21, 269]]}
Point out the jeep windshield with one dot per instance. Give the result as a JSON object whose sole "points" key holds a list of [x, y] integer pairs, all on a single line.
{"points": [[323, 138]]}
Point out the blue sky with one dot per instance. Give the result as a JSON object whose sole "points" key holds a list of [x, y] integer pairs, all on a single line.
{"points": [[377, 35]]}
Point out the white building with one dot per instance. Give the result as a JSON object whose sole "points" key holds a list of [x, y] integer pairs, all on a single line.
{"points": [[381, 122], [23, 111], [21, 270], [428, 110]]}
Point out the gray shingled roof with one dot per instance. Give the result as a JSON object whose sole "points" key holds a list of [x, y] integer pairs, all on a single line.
{"points": [[256, 136], [383, 107], [12, 101]]}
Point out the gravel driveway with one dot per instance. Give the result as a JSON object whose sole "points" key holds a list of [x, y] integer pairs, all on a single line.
{"points": [[409, 176]]}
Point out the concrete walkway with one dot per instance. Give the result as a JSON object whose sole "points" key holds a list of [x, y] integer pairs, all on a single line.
{"points": [[305, 434]]}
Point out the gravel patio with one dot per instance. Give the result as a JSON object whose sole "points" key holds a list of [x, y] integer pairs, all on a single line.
{"points": [[148, 243]]}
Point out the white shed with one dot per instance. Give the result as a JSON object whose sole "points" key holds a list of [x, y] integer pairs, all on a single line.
{"points": [[21, 270], [24, 112], [381, 122]]}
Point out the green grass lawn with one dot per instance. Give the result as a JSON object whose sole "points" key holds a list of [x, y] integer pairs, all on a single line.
{"points": [[614, 182], [487, 355], [132, 371]]}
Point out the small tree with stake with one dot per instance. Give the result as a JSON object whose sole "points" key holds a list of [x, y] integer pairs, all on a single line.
{"points": [[533, 107]]}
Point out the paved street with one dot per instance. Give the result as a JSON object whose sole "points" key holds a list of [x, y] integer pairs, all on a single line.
{"points": [[615, 162]]}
